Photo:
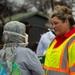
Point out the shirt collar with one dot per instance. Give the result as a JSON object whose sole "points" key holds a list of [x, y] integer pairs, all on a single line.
{"points": [[72, 31]]}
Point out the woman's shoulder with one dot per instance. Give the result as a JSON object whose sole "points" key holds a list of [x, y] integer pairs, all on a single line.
{"points": [[24, 50]]}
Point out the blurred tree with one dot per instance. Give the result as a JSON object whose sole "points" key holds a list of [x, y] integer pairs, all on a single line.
{"points": [[5, 10], [45, 5]]}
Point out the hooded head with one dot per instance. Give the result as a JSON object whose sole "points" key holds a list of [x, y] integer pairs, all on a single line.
{"points": [[14, 32]]}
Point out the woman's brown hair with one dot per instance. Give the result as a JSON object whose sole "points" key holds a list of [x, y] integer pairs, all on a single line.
{"points": [[63, 13]]}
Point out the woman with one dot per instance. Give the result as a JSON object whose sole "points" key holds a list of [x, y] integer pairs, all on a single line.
{"points": [[15, 58], [60, 56]]}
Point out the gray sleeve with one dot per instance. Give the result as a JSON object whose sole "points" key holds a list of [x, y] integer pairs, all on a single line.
{"points": [[34, 64]]}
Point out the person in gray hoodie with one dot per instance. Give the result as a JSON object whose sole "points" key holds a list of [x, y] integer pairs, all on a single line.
{"points": [[15, 58]]}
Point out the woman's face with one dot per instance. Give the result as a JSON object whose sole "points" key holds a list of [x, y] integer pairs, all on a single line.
{"points": [[59, 26]]}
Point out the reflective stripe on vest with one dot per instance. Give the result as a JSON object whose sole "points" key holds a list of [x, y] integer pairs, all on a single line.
{"points": [[72, 70], [56, 73], [65, 56], [63, 64]]}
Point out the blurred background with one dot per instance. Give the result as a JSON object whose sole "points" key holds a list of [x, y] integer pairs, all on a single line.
{"points": [[34, 13]]}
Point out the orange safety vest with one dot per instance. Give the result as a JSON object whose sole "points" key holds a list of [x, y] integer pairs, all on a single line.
{"points": [[61, 60]]}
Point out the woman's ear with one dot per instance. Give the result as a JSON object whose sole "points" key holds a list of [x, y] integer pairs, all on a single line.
{"points": [[67, 22]]}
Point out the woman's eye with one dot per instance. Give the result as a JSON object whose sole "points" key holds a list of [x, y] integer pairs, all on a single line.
{"points": [[56, 23]]}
